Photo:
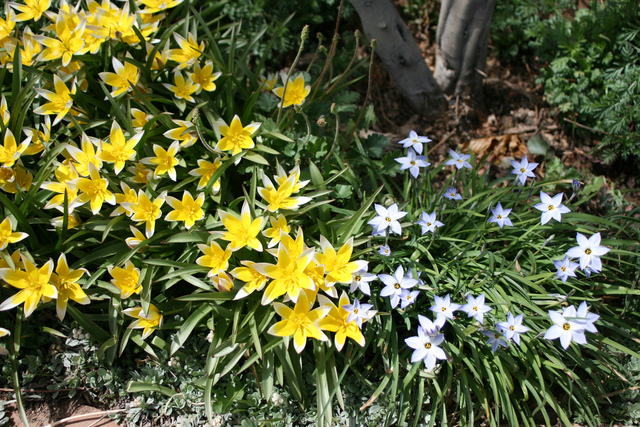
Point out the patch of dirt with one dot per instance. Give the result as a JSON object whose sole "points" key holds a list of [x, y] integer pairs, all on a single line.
{"points": [[42, 411]]}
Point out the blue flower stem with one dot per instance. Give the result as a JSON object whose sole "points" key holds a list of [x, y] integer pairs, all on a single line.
{"points": [[455, 177], [407, 186], [533, 181]]}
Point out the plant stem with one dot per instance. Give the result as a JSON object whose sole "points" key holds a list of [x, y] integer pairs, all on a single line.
{"points": [[306, 120], [366, 96], [332, 52], [13, 350], [335, 138], [353, 60]]}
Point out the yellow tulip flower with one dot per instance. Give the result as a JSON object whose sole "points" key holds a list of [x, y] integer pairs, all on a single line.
{"points": [[243, 231], [165, 160], [94, 190], [148, 322], [214, 257], [146, 211], [33, 283], [337, 265], [236, 137], [60, 100], [7, 235], [125, 77], [301, 322], [126, 279], [336, 321], [117, 151], [65, 281], [205, 171], [288, 274], [253, 280], [296, 92], [32, 9], [188, 210]]}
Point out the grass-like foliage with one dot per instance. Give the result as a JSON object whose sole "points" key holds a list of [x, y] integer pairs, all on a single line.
{"points": [[159, 186]]}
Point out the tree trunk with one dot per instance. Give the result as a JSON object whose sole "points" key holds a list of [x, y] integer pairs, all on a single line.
{"points": [[462, 40], [401, 56]]}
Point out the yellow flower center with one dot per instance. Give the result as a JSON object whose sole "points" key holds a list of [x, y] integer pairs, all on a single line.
{"points": [[513, 328], [522, 170], [499, 217], [566, 326], [130, 283], [295, 95], [587, 251], [397, 286], [150, 211], [97, 188], [551, 207], [237, 140], [427, 346]]}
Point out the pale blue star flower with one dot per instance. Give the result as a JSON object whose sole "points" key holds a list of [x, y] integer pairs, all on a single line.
{"points": [[586, 318], [443, 308], [394, 284], [430, 328], [459, 160], [566, 327], [566, 268], [551, 207], [589, 252], [414, 141], [360, 280], [384, 250], [359, 312], [523, 169], [476, 308], [387, 218], [428, 222], [501, 216], [412, 162], [426, 348], [408, 297], [410, 275], [452, 194], [512, 328], [495, 339]]}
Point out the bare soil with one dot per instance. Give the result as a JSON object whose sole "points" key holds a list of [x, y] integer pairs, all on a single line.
{"points": [[43, 410]]}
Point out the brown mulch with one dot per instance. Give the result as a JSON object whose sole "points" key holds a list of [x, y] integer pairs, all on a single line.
{"points": [[512, 104]]}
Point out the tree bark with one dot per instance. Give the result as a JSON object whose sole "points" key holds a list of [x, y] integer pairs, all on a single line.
{"points": [[401, 56], [462, 40]]}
